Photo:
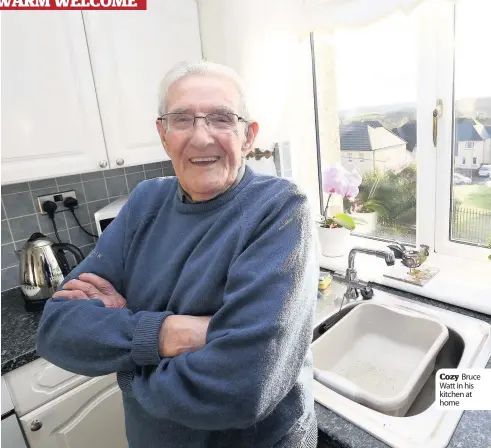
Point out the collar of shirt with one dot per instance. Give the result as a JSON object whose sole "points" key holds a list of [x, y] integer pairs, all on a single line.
{"points": [[184, 197]]}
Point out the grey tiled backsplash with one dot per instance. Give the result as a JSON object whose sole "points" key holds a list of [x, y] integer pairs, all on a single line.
{"points": [[21, 217]]}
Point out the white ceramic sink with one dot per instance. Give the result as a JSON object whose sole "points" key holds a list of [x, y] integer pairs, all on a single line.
{"points": [[468, 346]]}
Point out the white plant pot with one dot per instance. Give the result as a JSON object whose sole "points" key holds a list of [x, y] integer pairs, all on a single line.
{"points": [[369, 225], [334, 242]]}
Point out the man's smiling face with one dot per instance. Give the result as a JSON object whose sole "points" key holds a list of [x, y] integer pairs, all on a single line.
{"points": [[206, 162]]}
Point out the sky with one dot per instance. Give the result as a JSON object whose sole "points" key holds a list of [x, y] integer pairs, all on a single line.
{"points": [[377, 64]]}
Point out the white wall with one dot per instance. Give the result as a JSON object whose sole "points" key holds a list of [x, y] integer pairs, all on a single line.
{"points": [[258, 38], [361, 160], [394, 158], [468, 154], [487, 151]]}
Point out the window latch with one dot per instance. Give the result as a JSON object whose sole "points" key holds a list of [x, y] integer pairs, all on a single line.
{"points": [[437, 112]]}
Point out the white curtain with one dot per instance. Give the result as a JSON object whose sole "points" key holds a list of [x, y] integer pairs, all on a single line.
{"points": [[327, 14]]}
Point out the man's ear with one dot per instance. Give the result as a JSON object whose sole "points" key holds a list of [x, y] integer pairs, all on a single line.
{"points": [[251, 132], [162, 130]]}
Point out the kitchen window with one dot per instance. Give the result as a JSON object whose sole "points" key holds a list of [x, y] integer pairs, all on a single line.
{"points": [[387, 111], [376, 114]]}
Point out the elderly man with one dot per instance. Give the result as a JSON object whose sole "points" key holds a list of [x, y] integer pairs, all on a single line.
{"points": [[201, 293]]}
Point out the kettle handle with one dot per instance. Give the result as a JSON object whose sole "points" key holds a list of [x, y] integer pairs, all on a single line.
{"points": [[77, 253]]}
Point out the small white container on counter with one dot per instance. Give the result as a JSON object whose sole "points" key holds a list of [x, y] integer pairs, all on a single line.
{"points": [[379, 356]]}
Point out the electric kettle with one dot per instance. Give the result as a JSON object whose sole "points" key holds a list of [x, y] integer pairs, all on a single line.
{"points": [[43, 266]]}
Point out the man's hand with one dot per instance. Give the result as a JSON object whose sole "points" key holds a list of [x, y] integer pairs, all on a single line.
{"points": [[178, 334], [181, 333], [91, 286]]}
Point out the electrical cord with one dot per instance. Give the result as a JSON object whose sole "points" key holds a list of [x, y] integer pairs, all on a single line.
{"points": [[70, 203], [50, 208]]}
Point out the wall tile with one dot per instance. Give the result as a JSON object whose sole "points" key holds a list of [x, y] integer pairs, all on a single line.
{"points": [[82, 214], [47, 225], [168, 169], [15, 188], [44, 183], [96, 205], [6, 236], [134, 179], [79, 237], [152, 166], [63, 234], [75, 178], [79, 191], [8, 256], [114, 172], [24, 227], [92, 176], [152, 174], [95, 190], [116, 186], [19, 245], [133, 169], [10, 278], [19, 204], [87, 249], [22, 211]]}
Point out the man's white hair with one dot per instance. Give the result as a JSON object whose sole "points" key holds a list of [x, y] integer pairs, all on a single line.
{"points": [[202, 67]]}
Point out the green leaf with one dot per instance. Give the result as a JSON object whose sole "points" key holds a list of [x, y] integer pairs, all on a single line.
{"points": [[376, 206], [344, 220], [489, 257]]}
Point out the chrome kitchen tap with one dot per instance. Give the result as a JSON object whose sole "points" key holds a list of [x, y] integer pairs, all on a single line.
{"points": [[351, 279]]}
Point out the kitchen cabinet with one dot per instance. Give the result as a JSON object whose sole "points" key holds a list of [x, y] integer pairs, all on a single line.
{"points": [[50, 117], [130, 53], [38, 382], [90, 415], [80, 89]]}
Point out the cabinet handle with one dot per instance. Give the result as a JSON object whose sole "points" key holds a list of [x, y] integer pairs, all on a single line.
{"points": [[36, 425], [120, 162], [103, 164]]}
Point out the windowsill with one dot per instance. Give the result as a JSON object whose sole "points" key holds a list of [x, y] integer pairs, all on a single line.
{"points": [[460, 281]]}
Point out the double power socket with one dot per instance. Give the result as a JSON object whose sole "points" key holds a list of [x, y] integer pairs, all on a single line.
{"points": [[57, 198]]}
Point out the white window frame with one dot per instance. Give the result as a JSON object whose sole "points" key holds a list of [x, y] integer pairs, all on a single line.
{"points": [[435, 164], [469, 144], [444, 23]]}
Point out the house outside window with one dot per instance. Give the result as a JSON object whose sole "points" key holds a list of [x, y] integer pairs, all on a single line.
{"points": [[393, 98]]}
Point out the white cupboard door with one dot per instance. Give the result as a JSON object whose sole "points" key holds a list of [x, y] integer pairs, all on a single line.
{"points": [[130, 52], [50, 118], [89, 416], [38, 382]]}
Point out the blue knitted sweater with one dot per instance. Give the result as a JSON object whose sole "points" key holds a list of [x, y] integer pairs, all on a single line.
{"points": [[247, 258]]}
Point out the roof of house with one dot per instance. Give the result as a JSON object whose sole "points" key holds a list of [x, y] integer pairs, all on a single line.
{"points": [[408, 132], [488, 129], [466, 130], [366, 136]]}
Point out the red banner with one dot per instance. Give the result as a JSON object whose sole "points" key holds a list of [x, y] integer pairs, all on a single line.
{"points": [[33, 5]]}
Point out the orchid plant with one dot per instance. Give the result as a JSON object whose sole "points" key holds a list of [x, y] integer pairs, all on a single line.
{"points": [[337, 180]]}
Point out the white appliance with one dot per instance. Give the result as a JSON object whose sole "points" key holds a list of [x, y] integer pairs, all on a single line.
{"points": [[11, 433], [105, 215]]}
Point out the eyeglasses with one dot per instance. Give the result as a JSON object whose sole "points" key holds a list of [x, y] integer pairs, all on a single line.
{"points": [[217, 122]]}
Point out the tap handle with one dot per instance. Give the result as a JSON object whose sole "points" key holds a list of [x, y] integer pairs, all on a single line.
{"points": [[398, 251]]}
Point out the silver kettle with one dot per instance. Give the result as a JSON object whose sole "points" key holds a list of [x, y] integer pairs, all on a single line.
{"points": [[43, 266]]}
